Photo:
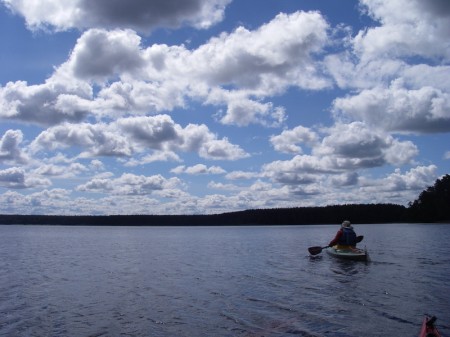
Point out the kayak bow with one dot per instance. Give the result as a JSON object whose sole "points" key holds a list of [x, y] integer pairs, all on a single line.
{"points": [[428, 329], [355, 254]]}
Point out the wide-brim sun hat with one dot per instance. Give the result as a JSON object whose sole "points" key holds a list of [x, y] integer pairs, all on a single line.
{"points": [[346, 223]]}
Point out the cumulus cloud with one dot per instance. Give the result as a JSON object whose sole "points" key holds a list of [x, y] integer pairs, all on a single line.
{"points": [[424, 75], [155, 156], [345, 148], [302, 169], [398, 109], [95, 139], [41, 103], [156, 132], [278, 53], [236, 175], [18, 178], [198, 169], [243, 111], [68, 171], [221, 149], [112, 97], [345, 179], [128, 136], [140, 15], [416, 179], [100, 54], [129, 184], [160, 132], [221, 186], [288, 140], [408, 28], [355, 145], [10, 150], [237, 70], [398, 68], [352, 187]]}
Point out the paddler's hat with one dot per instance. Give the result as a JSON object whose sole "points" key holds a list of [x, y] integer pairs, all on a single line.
{"points": [[346, 223]]}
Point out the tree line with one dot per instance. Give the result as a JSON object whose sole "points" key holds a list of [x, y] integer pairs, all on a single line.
{"points": [[432, 205]]}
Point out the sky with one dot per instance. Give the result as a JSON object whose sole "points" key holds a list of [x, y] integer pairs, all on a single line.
{"points": [[211, 106]]}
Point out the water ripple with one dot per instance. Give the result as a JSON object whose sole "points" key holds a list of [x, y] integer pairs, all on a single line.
{"points": [[209, 281]]}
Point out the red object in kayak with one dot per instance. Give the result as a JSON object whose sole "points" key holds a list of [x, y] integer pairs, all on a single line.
{"points": [[428, 328]]}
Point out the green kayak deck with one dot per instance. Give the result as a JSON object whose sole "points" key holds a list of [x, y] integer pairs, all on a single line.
{"points": [[355, 254]]}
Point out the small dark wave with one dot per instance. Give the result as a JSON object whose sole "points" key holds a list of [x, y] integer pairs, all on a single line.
{"points": [[99, 334], [397, 319]]}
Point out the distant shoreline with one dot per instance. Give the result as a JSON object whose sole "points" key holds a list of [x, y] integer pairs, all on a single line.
{"points": [[359, 213]]}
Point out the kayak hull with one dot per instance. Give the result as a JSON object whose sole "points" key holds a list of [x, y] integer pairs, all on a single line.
{"points": [[428, 329], [354, 254]]}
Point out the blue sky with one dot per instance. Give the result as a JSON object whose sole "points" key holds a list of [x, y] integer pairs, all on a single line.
{"points": [[211, 106]]}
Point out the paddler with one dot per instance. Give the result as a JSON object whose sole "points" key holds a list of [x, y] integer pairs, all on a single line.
{"points": [[345, 237]]}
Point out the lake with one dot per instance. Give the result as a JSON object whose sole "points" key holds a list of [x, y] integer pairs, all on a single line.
{"points": [[220, 281]]}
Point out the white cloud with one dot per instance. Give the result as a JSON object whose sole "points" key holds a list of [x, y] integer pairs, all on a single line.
{"points": [[348, 71], [398, 109], [288, 140], [155, 132], [355, 145], [143, 16], [52, 170], [399, 68], [221, 186], [18, 178], [424, 75], [129, 184], [345, 179], [345, 148], [100, 54], [39, 103], [156, 156], [198, 169], [138, 97], [55, 201], [221, 149], [243, 111], [113, 95], [300, 170], [199, 138], [277, 54], [408, 28], [97, 165], [399, 153], [235, 175], [10, 150], [237, 70], [128, 136], [96, 139], [416, 179]]}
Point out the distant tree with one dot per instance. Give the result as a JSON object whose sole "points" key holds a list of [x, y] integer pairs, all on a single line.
{"points": [[433, 203]]}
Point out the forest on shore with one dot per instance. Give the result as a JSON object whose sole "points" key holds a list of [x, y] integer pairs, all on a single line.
{"points": [[432, 205]]}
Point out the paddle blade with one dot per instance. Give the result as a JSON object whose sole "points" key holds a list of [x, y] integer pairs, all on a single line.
{"points": [[359, 238], [315, 250]]}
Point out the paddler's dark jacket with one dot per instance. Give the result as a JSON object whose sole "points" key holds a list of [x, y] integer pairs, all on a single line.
{"points": [[345, 236]]}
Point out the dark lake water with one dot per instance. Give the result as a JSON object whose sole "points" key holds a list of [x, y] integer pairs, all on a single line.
{"points": [[220, 281]]}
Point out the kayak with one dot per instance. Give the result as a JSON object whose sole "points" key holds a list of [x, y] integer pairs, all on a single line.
{"points": [[428, 329], [355, 254]]}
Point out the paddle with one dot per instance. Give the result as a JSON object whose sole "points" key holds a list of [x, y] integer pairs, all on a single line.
{"points": [[318, 249]]}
